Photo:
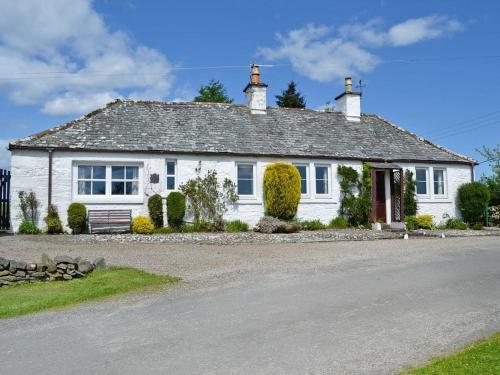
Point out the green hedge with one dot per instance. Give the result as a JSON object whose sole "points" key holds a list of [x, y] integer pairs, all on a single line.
{"points": [[282, 190], [176, 208], [155, 207], [473, 200], [77, 218]]}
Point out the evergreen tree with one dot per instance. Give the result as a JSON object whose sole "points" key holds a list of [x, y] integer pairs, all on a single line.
{"points": [[290, 98], [213, 92]]}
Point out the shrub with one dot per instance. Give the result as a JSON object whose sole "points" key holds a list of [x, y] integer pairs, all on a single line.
{"points": [[452, 223], [142, 225], [311, 225], [477, 226], [494, 215], [28, 204], [155, 207], [236, 226], [411, 222], [409, 198], [424, 221], [282, 190], [77, 218], [207, 198], [358, 207], [269, 224], [54, 225], [166, 230], [338, 222], [28, 227], [473, 199], [176, 208]]}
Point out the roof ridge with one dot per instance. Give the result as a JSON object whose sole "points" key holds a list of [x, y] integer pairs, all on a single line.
{"points": [[422, 139]]}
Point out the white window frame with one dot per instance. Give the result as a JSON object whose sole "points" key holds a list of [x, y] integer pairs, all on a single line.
{"points": [[108, 197], [171, 175], [427, 182], [307, 194], [92, 179], [124, 180], [445, 183], [254, 180], [329, 181]]}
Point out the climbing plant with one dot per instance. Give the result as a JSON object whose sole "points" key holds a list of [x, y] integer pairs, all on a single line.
{"points": [[410, 201], [355, 194]]}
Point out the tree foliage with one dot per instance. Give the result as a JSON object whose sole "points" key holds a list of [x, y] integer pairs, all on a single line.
{"points": [[176, 209], [409, 199], [155, 207], [282, 190], [473, 199], [29, 204], [208, 199], [493, 181], [213, 92], [290, 98]]}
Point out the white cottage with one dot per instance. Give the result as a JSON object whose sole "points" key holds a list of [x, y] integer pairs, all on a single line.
{"points": [[119, 155]]}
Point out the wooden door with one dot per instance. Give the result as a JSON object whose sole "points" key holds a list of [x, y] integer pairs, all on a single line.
{"points": [[380, 209]]}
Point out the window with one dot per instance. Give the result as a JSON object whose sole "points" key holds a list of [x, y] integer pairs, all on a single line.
{"points": [[170, 175], [124, 180], [421, 177], [439, 181], [322, 180], [303, 177], [245, 179], [91, 180]]}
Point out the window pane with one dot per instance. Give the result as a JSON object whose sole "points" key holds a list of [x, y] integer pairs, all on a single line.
{"points": [[98, 188], [132, 188], [170, 183], [322, 173], [117, 173], [170, 168], [421, 187], [99, 172], [245, 171], [321, 187], [84, 172], [421, 174], [84, 187], [303, 176], [132, 173], [303, 186], [245, 187], [117, 188], [302, 171]]}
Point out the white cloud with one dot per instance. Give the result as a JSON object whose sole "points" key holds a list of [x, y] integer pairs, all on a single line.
{"points": [[4, 154], [323, 54], [70, 37]]}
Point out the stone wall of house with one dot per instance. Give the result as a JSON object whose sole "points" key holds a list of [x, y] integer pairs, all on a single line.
{"points": [[60, 268], [30, 172]]}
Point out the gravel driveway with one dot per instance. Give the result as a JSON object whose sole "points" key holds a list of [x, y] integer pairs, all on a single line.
{"points": [[367, 307]]}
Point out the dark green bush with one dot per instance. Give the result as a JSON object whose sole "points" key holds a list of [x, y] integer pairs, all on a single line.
{"points": [[77, 218], [28, 227], [54, 225], [410, 200], [155, 207], [311, 225], [473, 199], [282, 190], [176, 208], [453, 223], [236, 226], [338, 222]]}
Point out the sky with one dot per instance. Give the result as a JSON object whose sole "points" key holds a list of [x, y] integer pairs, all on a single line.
{"points": [[430, 67]]}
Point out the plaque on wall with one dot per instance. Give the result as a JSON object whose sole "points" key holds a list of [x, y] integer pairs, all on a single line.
{"points": [[154, 178]]}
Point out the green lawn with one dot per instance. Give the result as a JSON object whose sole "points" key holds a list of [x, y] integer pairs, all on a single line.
{"points": [[481, 358], [29, 298]]}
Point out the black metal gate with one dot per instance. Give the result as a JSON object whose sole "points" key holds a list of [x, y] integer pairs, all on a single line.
{"points": [[4, 199]]}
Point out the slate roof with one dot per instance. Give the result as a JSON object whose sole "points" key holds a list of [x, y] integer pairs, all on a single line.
{"points": [[206, 128]]}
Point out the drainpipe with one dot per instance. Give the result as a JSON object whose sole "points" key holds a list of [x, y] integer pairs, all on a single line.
{"points": [[472, 172], [49, 194]]}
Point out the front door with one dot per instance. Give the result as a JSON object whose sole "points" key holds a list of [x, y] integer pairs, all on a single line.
{"points": [[380, 196]]}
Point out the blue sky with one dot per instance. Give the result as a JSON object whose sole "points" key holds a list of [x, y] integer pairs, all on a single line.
{"points": [[430, 67]]}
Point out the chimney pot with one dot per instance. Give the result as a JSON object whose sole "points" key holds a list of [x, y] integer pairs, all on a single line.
{"points": [[255, 92], [255, 74], [348, 85]]}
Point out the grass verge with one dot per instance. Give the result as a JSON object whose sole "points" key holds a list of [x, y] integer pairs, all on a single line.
{"points": [[29, 298], [481, 358]]}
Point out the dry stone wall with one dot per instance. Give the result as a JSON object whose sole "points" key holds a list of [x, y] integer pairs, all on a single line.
{"points": [[62, 267]]}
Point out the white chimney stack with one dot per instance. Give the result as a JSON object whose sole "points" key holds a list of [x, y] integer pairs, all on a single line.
{"points": [[255, 92], [349, 102]]}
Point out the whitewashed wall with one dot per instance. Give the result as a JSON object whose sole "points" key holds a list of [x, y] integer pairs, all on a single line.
{"points": [[30, 172]]}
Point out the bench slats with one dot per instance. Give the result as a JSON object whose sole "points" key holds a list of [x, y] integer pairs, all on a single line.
{"points": [[109, 220]]}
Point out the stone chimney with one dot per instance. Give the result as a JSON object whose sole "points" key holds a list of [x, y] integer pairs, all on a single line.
{"points": [[349, 102], [255, 92]]}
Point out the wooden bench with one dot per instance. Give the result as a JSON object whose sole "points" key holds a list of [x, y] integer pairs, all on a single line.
{"points": [[109, 220]]}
